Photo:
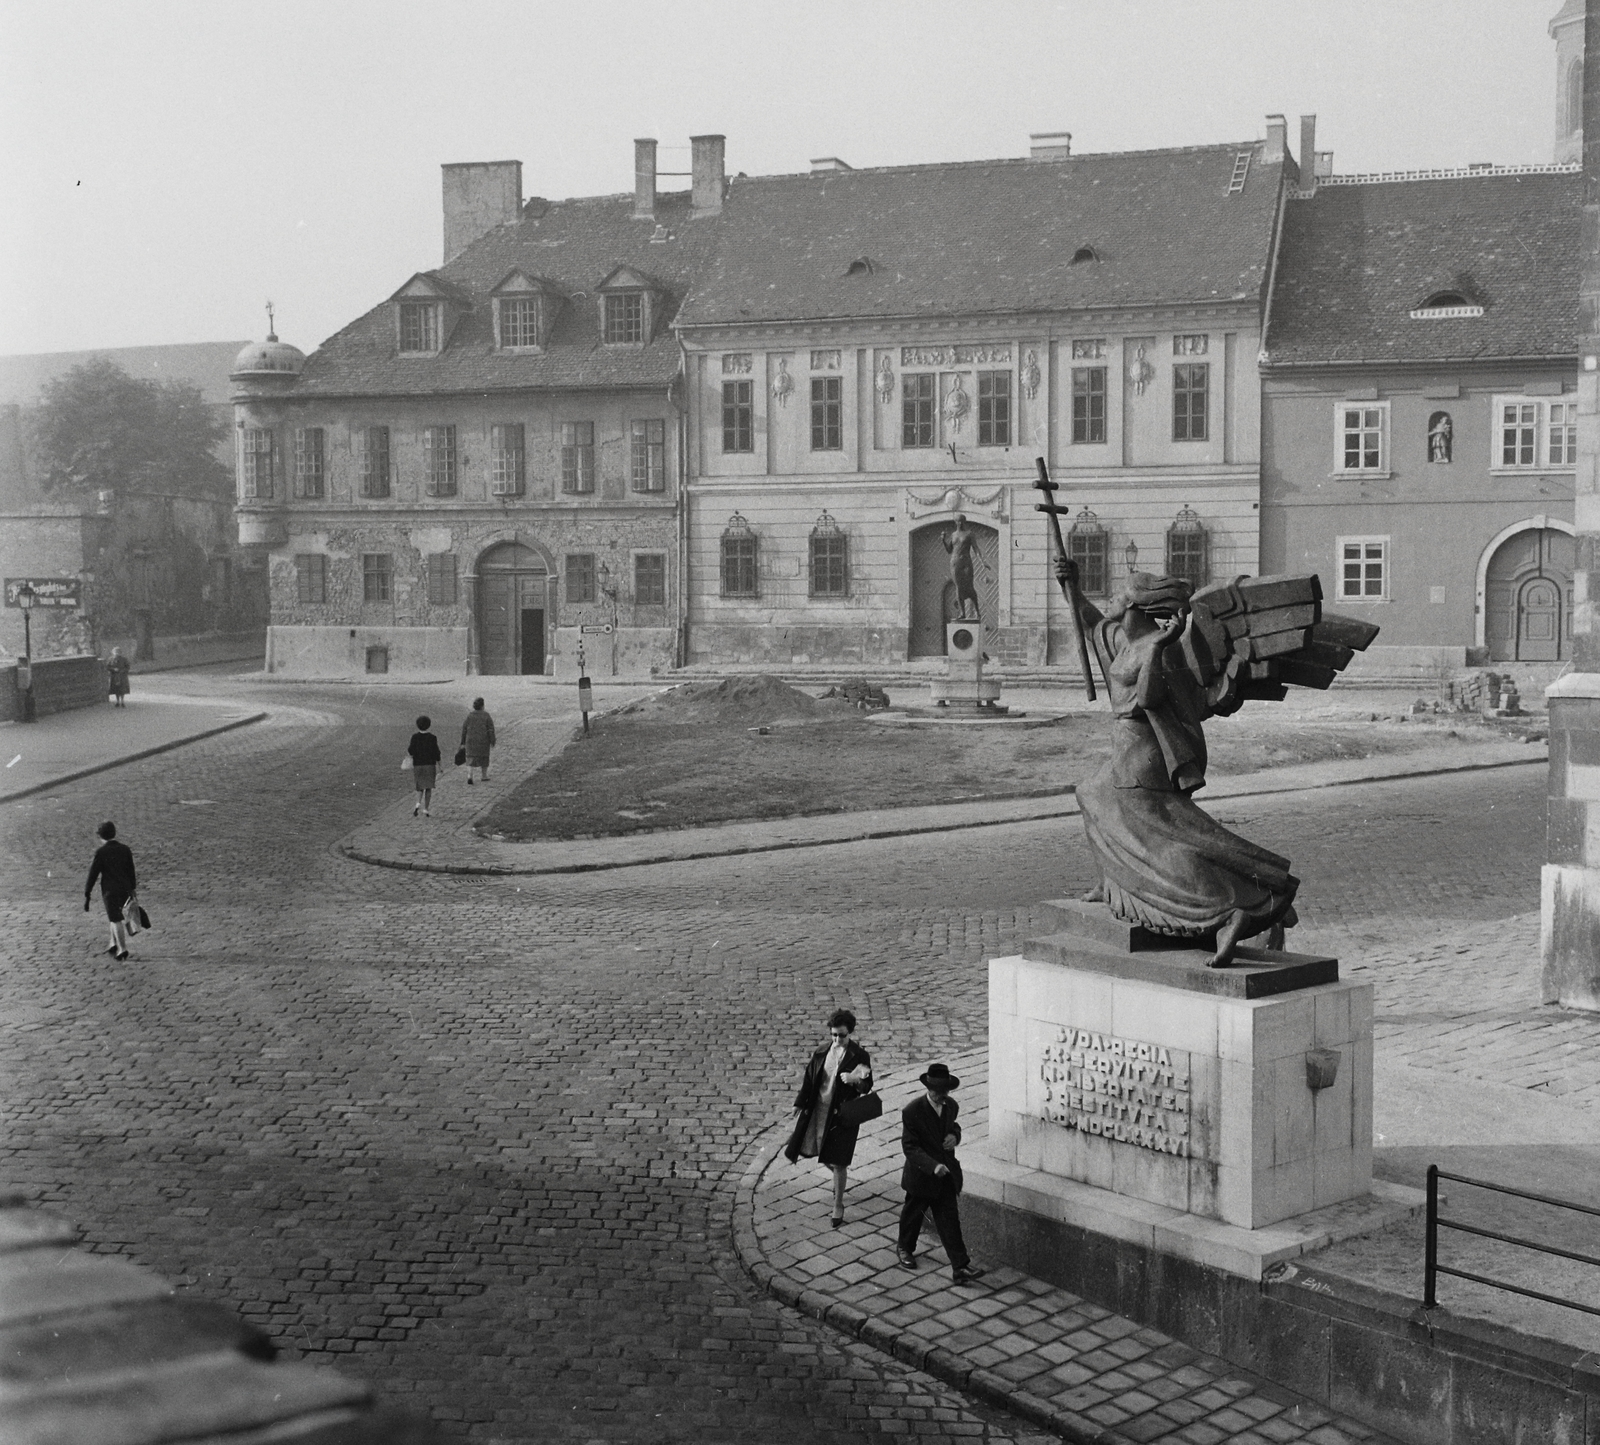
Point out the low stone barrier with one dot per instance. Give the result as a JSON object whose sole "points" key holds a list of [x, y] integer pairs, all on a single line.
{"points": [[60, 684]]}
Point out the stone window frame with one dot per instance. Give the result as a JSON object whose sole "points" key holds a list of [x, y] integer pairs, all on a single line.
{"points": [[996, 396], [373, 461], [443, 573], [738, 417], [1188, 548], [1538, 432], [255, 475], [652, 560], [1089, 385], [827, 413], [647, 454], [1370, 557], [577, 458], [310, 463], [377, 577], [1089, 545], [508, 459], [1191, 401], [828, 560], [739, 572], [919, 410], [439, 460], [579, 579], [311, 578], [1372, 417]]}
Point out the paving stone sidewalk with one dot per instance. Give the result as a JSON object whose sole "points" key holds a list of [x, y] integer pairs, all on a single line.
{"points": [[395, 840], [1043, 1353]]}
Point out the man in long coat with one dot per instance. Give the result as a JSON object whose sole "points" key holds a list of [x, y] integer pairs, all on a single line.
{"points": [[931, 1178]]}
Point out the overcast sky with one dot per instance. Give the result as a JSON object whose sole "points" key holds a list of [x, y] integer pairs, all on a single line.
{"points": [[168, 165]]}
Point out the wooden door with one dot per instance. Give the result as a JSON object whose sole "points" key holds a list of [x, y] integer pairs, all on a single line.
{"points": [[533, 640], [1539, 621], [498, 649]]}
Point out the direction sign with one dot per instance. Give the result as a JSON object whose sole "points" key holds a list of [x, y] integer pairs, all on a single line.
{"points": [[605, 628], [47, 591]]}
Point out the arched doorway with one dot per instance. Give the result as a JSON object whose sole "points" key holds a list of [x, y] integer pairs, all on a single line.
{"points": [[933, 594], [514, 613], [1527, 596]]}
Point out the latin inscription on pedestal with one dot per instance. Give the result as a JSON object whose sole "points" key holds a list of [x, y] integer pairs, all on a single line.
{"points": [[1120, 1089]]}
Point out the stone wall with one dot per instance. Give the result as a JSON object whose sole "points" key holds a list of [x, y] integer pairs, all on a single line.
{"points": [[343, 651], [60, 684]]}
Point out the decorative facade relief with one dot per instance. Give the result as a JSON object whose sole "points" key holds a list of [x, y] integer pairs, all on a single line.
{"points": [[956, 355], [884, 381], [1140, 371], [957, 403], [738, 363], [958, 499], [1190, 345], [1030, 374], [825, 360], [1089, 348], [783, 383]]}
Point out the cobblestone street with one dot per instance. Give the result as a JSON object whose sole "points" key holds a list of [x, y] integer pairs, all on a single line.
{"points": [[477, 1139]]}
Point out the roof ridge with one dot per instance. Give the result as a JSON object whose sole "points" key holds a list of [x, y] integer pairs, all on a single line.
{"points": [[1217, 146], [1453, 173]]}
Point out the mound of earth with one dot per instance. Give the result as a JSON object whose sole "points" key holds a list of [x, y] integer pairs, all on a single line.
{"points": [[744, 700]]}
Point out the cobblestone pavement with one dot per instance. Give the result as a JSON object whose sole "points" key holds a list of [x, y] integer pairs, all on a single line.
{"points": [[474, 1138]]}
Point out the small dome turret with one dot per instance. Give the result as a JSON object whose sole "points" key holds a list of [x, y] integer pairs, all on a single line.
{"points": [[270, 360]]}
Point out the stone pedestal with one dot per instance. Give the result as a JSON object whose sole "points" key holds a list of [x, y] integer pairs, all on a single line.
{"points": [[964, 685], [1241, 1095], [1570, 924]]}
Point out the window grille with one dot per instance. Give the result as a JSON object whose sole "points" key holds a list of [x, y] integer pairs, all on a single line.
{"points": [[740, 559], [311, 577], [377, 577], [649, 455], [439, 460], [577, 456], [1189, 549], [579, 569], [994, 408], [738, 429], [1087, 546], [507, 460], [650, 579], [827, 408], [830, 559], [442, 579], [372, 460]]}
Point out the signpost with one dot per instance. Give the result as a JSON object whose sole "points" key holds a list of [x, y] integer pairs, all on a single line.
{"points": [[47, 592]]}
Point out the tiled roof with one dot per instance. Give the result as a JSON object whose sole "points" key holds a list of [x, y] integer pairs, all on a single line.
{"points": [[989, 237], [576, 244], [1357, 259]]}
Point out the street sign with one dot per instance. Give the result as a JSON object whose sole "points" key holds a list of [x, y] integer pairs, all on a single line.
{"points": [[586, 628], [47, 591]]}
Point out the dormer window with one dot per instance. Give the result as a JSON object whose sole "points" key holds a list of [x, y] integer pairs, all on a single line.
{"points": [[1445, 305], [419, 326], [1083, 255], [525, 308], [624, 318], [519, 322]]}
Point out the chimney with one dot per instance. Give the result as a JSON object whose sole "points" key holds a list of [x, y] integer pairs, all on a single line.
{"points": [[1308, 153], [1050, 145], [828, 163], [1277, 141], [644, 180], [478, 196], [1324, 165], [709, 169]]}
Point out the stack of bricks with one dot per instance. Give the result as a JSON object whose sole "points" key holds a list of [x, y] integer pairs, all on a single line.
{"points": [[95, 1348]]}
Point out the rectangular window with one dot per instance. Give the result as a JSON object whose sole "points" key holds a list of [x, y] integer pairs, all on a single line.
{"points": [[650, 579], [377, 576], [1363, 569], [830, 565], [439, 460], [739, 574], [917, 401], [1519, 432], [372, 460], [1089, 404], [577, 456], [507, 460], [519, 321], [625, 317], [442, 579], [1563, 433], [1191, 385], [738, 407], [1361, 438], [419, 326], [256, 464], [1187, 556], [648, 455], [827, 406], [994, 408], [311, 577], [1088, 550], [308, 470], [579, 569]]}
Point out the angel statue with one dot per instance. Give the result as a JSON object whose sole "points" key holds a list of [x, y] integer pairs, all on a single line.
{"points": [[1172, 657]]}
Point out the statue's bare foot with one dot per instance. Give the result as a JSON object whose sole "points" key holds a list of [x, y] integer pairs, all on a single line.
{"points": [[1228, 937], [1097, 894]]}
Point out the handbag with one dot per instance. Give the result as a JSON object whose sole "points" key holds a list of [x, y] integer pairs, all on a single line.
{"points": [[130, 915], [862, 1109], [461, 755], [405, 763]]}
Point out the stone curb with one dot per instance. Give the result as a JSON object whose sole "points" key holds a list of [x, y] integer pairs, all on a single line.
{"points": [[909, 1349], [166, 747], [1259, 784]]}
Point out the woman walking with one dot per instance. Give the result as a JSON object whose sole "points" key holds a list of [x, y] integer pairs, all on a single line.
{"points": [[113, 868], [117, 673], [423, 750], [838, 1071], [477, 737]]}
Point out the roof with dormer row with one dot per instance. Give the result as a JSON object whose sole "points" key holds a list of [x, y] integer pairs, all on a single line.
{"points": [[1169, 227], [1356, 260]]}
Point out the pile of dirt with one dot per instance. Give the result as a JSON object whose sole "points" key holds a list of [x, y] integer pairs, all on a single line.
{"points": [[742, 700]]}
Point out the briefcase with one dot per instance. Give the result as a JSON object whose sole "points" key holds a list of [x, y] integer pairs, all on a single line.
{"points": [[862, 1109]]}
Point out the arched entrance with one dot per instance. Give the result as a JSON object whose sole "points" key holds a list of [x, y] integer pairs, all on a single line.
{"points": [[1527, 596], [514, 614], [933, 594]]}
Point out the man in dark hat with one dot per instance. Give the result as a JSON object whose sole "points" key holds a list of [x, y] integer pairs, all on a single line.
{"points": [[932, 1177]]}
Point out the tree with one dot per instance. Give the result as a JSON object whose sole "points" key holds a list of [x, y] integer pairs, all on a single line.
{"points": [[100, 429]]}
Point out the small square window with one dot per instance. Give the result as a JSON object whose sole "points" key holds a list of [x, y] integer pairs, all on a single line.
{"points": [[577, 457], [1363, 569], [624, 317], [579, 570], [377, 577], [650, 579], [311, 577]]}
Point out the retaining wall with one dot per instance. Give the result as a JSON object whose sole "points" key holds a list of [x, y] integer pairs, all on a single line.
{"points": [[60, 684]]}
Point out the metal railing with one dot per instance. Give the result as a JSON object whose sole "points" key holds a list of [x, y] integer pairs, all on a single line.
{"points": [[1432, 1268]]}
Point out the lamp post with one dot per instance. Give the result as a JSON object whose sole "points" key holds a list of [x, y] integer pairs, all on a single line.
{"points": [[1130, 555], [25, 599]]}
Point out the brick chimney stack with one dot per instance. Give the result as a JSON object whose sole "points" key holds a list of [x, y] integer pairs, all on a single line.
{"points": [[709, 172], [1308, 153], [644, 180], [1277, 141]]}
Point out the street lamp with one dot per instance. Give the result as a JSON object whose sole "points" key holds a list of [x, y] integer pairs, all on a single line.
{"points": [[25, 600], [1130, 554]]}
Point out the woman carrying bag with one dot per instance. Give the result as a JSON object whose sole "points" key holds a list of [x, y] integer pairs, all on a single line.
{"points": [[835, 1099]]}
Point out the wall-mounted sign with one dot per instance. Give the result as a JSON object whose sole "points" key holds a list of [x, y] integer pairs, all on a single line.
{"points": [[47, 591]]}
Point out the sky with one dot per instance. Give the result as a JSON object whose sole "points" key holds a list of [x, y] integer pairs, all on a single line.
{"points": [[170, 165]]}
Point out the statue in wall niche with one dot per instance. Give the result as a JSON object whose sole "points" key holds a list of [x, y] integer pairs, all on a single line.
{"points": [[961, 542], [1439, 430], [1171, 657]]}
